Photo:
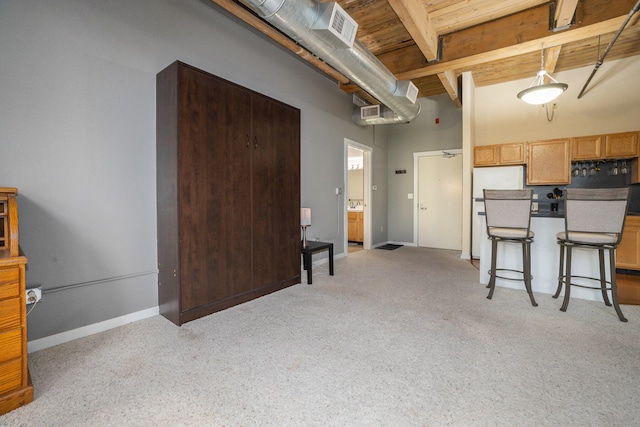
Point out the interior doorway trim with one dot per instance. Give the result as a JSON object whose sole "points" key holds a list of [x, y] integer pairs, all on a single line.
{"points": [[416, 157], [367, 152]]}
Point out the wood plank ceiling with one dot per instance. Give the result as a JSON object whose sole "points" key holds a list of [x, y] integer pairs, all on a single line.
{"points": [[496, 40]]}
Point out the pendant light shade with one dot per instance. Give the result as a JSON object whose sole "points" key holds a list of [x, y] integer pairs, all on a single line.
{"points": [[539, 92]]}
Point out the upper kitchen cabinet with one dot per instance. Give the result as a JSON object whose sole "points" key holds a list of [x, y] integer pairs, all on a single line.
{"points": [[548, 162], [620, 145], [599, 147], [512, 153], [486, 155], [499, 154], [586, 148]]}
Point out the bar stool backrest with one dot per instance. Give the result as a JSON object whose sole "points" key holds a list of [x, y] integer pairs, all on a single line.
{"points": [[507, 208], [596, 210]]}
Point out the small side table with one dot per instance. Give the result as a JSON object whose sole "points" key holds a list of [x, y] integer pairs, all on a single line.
{"points": [[307, 253]]}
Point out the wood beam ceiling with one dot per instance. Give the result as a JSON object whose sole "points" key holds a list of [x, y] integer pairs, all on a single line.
{"points": [[514, 35]]}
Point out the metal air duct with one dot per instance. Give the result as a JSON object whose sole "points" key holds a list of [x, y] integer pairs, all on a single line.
{"points": [[305, 21]]}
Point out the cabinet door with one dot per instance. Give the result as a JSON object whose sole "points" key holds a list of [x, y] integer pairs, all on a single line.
{"points": [[512, 153], [214, 185], [628, 252], [548, 162], [352, 226], [485, 155], [586, 148], [621, 145], [276, 191], [360, 227]]}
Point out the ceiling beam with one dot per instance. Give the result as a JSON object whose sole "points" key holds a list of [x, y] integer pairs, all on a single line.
{"points": [[464, 62], [450, 83], [565, 9], [551, 58], [415, 19]]}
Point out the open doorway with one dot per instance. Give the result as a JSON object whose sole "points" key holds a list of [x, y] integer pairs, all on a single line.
{"points": [[357, 196]]}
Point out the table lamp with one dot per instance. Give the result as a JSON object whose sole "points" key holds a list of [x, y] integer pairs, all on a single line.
{"points": [[305, 221]]}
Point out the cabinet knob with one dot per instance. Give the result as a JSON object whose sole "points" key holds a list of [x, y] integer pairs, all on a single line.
{"points": [[255, 142]]}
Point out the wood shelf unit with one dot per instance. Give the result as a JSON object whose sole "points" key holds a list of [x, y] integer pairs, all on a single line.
{"points": [[15, 384]]}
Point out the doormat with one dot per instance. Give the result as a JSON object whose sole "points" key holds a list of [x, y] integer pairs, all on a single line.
{"points": [[389, 247]]}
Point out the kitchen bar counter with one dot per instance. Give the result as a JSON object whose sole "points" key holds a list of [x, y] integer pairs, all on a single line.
{"points": [[545, 258]]}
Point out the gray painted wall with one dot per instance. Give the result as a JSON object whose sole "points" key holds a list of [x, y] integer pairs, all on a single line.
{"points": [[423, 134], [77, 105]]}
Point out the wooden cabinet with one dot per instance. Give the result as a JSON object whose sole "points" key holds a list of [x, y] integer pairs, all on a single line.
{"points": [[548, 162], [586, 148], [620, 145], [486, 155], [512, 153], [356, 226], [628, 252], [499, 154], [612, 146], [228, 183], [15, 385]]}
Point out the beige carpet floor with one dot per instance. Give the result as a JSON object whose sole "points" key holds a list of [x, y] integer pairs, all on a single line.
{"points": [[395, 338]]}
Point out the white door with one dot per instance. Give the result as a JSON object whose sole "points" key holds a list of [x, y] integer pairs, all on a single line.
{"points": [[440, 202]]}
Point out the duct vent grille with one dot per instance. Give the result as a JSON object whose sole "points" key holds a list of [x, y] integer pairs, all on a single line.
{"points": [[337, 23], [406, 89], [358, 100], [370, 112]]}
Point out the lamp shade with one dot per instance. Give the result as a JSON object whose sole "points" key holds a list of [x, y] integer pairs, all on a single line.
{"points": [[305, 216], [542, 94]]}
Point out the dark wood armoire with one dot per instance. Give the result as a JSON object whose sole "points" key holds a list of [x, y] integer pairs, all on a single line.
{"points": [[228, 191]]}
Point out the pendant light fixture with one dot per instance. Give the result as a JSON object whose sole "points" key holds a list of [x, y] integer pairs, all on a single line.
{"points": [[539, 92]]}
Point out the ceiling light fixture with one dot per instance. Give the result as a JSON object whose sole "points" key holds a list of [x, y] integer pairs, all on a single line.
{"points": [[539, 92]]}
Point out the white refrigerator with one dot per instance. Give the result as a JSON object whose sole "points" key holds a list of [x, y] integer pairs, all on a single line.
{"points": [[492, 178]]}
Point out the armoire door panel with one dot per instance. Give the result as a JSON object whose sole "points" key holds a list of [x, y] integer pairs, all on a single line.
{"points": [[214, 182], [276, 190]]}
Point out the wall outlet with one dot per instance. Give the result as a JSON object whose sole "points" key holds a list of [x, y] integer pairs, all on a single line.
{"points": [[34, 295], [338, 191]]}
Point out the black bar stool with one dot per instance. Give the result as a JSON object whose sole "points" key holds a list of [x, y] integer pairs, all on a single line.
{"points": [[594, 219], [508, 215]]}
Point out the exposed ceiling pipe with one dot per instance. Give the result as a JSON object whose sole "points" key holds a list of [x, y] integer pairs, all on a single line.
{"points": [[298, 18], [601, 59]]}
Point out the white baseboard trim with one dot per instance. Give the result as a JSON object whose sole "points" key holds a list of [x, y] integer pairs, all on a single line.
{"points": [[85, 331]]}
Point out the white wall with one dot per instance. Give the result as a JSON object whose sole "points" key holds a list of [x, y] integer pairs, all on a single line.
{"points": [[423, 134], [610, 104], [77, 138]]}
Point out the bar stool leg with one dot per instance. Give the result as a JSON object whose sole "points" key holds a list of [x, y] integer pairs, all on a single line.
{"points": [[526, 268], [492, 272], [567, 286], [603, 277], [614, 286], [560, 271]]}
